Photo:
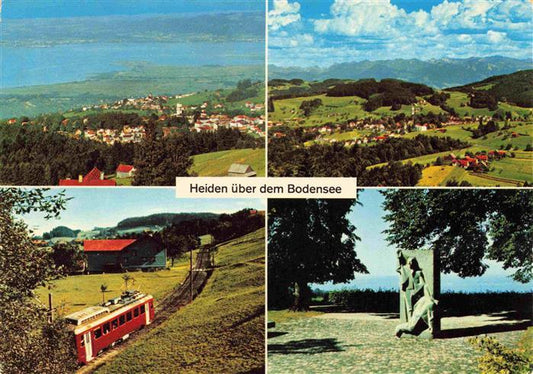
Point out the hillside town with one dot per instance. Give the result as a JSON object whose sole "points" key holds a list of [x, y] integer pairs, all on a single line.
{"points": [[205, 117], [373, 130]]}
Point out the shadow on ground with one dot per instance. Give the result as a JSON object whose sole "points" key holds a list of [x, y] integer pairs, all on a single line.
{"points": [[480, 330], [306, 346]]}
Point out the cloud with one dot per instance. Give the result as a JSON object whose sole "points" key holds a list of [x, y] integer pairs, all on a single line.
{"points": [[296, 40], [363, 18], [283, 14], [378, 29], [495, 36]]}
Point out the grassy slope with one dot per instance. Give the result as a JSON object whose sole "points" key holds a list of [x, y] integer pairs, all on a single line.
{"points": [[221, 331], [518, 169], [218, 163], [340, 109], [219, 96], [79, 291]]}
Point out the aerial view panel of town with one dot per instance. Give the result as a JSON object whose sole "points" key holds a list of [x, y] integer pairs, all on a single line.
{"points": [[353, 96], [131, 95]]}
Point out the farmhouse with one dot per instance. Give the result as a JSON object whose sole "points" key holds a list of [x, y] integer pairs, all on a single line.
{"points": [[125, 171], [94, 178], [124, 254], [241, 170]]}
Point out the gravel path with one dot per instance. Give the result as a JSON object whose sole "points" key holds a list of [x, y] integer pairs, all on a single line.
{"points": [[365, 343]]}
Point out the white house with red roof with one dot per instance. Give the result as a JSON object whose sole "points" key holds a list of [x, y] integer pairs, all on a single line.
{"points": [[125, 171]]}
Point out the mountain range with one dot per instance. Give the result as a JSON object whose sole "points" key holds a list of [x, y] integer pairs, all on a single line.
{"points": [[438, 73]]}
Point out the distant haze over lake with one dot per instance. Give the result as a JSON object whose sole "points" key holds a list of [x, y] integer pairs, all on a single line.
{"points": [[28, 66], [449, 283], [47, 51]]}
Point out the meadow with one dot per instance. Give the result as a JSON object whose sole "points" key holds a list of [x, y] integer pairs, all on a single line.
{"points": [[342, 109], [221, 331], [76, 292], [506, 172], [218, 163]]}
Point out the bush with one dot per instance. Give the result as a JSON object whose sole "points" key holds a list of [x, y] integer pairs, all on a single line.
{"points": [[498, 359]]}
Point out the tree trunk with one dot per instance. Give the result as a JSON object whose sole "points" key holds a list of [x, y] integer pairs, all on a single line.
{"points": [[302, 296]]}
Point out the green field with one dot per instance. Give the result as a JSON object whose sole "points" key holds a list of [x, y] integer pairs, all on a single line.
{"points": [[459, 101], [76, 292], [440, 175], [512, 168], [508, 171], [222, 331], [218, 163], [333, 109], [219, 96]]}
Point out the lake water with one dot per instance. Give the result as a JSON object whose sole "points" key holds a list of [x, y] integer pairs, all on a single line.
{"points": [[448, 283], [27, 66]]}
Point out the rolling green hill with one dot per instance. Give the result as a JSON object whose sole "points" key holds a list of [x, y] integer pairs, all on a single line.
{"points": [[516, 88], [218, 163], [344, 100], [162, 219], [222, 331]]}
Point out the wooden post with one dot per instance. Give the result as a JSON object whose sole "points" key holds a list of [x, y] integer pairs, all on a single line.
{"points": [[190, 275], [50, 309]]}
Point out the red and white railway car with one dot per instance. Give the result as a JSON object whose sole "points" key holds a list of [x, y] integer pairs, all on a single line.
{"points": [[98, 327]]}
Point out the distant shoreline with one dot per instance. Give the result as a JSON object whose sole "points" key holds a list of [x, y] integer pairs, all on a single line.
{"points": [[449, 284]]}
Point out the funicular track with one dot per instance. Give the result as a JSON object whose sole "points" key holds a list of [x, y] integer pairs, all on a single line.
{"points": [[176, 299]]}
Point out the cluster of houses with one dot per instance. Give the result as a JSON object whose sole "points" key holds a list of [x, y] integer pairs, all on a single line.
{"points": [[243, 123], [96, 177], [254, 107], [128, 134], [479, 161], [150, 102], [376, 130]]}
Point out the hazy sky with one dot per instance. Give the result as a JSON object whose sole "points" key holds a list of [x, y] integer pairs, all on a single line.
{"points": [[104, 207], [323, 32], [78, 8]]}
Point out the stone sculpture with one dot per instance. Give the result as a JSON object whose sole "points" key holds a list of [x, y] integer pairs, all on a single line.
{"points": [[416, 299]]}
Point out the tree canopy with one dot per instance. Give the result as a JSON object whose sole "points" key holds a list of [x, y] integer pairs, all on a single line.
{"points": [[29, 343], [466, 226], [310, 241]]}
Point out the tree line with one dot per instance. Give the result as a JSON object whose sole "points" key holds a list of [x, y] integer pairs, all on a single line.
{"points": [[288, 159], [31, 156]]}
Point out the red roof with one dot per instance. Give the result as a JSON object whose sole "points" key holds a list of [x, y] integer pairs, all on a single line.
{"points": [[91, 179], [106, 245], [92, 175], [124, 168], [74, 182]]}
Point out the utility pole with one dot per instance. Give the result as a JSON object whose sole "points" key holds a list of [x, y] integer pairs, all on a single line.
{"points": [[190, 275], [50, 309]]}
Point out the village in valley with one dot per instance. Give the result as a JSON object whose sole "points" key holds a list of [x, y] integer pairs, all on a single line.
{"points": [[482, 141], [226, 126]]}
